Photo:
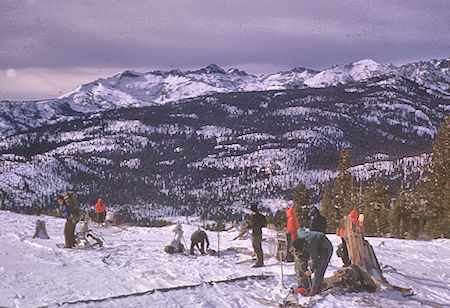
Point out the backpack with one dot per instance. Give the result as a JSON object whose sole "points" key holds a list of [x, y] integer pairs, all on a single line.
{"points": [[72, 204]]}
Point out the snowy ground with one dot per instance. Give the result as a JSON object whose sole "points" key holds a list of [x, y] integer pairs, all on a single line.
{"points": [[35, 273]]}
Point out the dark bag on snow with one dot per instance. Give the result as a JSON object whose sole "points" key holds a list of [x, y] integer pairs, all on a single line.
{"points": [[169, 249]]}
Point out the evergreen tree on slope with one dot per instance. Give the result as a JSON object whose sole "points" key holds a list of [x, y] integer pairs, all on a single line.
{"points": [[301, 204], [434, 191]]}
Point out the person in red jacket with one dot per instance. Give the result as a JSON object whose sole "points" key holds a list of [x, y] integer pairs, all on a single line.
{"points": [[292, 223], [100, 210], [354, 218]]}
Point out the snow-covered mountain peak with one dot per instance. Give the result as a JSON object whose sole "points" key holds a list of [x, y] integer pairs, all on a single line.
{"points": [[366, 63], [352, 72], [236, 71], [301, 69], [433, 75], [210, 69], [130, 74]]}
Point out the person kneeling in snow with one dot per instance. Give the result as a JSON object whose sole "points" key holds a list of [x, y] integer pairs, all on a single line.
{"points": [[175, 245], [319, 249], [199, 237]]}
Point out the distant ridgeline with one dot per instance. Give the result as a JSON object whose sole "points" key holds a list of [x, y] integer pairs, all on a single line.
{"points": [[215, 154]]}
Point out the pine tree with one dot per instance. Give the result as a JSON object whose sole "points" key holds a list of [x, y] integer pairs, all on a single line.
{"points": [[400, 215], [301, 204], [345, 191], [325, 202], [434, 191], [376, 210], [279, 219]]}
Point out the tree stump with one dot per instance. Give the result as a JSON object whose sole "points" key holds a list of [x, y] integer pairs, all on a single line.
{"points": [[40, 230], [360, 251], [361, 254]]}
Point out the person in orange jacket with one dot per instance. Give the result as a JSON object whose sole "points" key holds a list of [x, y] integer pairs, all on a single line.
{"points": [[292, 224], [100, 210]]}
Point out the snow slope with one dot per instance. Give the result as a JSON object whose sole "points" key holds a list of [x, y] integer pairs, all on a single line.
{"points": [[34, 272]]}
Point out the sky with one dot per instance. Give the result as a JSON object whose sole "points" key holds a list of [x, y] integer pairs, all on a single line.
{"points": [[48, 47]]}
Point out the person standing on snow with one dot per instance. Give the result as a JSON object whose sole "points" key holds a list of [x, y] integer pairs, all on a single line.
{"points": [[292, 223], [100, 210], [69, 226], [318, 222], [319, 249], [257, 222]]}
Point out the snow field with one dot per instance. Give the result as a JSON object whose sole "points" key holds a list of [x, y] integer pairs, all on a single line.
{"points": [[34, 272]]}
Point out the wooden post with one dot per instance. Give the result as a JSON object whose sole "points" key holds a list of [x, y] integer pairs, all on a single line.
{"points": [[3, 201], [218, 244]]}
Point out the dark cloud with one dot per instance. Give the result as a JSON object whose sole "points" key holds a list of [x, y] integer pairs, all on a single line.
{"points": [[54, 34], [191, 33]]}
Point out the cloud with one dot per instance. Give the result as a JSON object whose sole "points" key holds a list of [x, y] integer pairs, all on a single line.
{"points": [[108, 34], [43, 83]]}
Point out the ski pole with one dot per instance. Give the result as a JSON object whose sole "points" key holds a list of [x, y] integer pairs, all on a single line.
{"points": [[281, 266], [218, 244]]}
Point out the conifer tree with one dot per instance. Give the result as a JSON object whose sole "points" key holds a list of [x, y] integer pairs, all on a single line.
{"points": [[301, 204], [325, 202], [345, 191], [434, 191], [406, 215], [400, 215], [376, 212]]}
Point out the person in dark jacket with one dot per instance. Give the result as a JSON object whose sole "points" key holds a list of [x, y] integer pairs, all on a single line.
{"points": [[318, 222], [257, 222], [199, 237], [69, 226], [320, 250]]}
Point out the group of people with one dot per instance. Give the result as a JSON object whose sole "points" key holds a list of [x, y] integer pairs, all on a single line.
{"points": [[199, 240], [311, 248], [72, 216], [312, 252]]}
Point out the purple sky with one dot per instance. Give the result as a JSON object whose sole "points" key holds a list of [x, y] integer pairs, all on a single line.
{"points": [[49, 47]]}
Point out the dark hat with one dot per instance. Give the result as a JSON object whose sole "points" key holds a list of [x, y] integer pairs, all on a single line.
{"points": [[254, 207], [299, 244]]}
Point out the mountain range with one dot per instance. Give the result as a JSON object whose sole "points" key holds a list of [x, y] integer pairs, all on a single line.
{"points": [[213, 141]]}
